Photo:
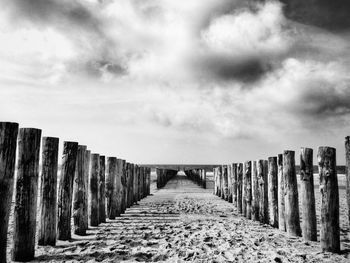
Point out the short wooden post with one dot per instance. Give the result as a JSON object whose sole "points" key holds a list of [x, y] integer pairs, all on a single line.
{"points": [[255, 192], [8, 145], [144, 182], [65, 190], [263, 192], [119, 187], [239, 187], [94, 185], [111, 194], [308, 223], [281, 219], [347, 173], [273, 191], [48, 192], [329, 232], [158, 172], [234, 184], [291, 200], [214, 179], [87, 161], [102, 191], [26, 194], [78, 192], [248, 193], [204, 178]]}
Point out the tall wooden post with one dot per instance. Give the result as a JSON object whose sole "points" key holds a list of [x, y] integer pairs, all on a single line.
{"points": [[229, 182], [329, 232], [78, 194], [119, 177], [244, 192], [273, 191], [87, 162], [248, 193], [255, 192], [128, 180], [263, 192], [131, 185], [48, 192], [136, 184], [65, 190], [291, 200], [281, 218], [309, 225], [239, 187], [124, 183], [94, 185], [347, 173], [8, 145], [225, 182], [102, 191], [234, 184], [26, 194], [111, 194]]}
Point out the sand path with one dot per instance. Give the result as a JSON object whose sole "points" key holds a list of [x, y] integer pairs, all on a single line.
{"points": [[183, 222]]}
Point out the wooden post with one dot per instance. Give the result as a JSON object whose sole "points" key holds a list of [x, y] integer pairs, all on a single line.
{"points": [[225, 182], [291, 200], [255, 192], [214, 179], [127, 169], [248, 195], [204, 179], [65, 190], [136, 184], [309, 225], [111, 194], [149, 181], [119, 187], [78, 192], [48, 192], [239, 187], [329, 232], [94, 185], [234, 184], [125, 186], [139, 186], [86, 190], [8, 145], [273, 191], [220, 180], [263, 192], [144, 182], [281, 218], [131, 191], [244, 192], [26, 194], [102, 191], [347, 173], [229, 182]]}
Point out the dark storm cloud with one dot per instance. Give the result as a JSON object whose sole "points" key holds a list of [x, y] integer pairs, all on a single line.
{"points": [[329, 14]]}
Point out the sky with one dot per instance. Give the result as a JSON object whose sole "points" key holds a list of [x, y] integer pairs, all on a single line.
{"points": [[191, 82]]}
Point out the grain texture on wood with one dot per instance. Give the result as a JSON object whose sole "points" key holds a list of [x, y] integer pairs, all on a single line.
{"points": [[78, 192], [102, 191], [239, 187], [248, 188], [263, 191], [273, 191], [94, 187], [281, 218], [329, 232], [255, 192], [48, 192], [309, 224], [65, 190], [26, 194], [111, 191], [291, 200], [8, 145], [87, 189]]}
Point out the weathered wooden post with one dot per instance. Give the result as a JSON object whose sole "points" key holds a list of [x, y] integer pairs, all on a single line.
{"points": [[102, 191], [158, 172], [239, 187], [142, 170], [118, 197], [229, 182], [273, 191], [144, 186], [281, 218], [248, 193], [128, 181], [26, 194], [220, 180], [8, 145], [94, 185], [291, 200], [78, 192], [131, 189], [204, 179], [111, 194], [214, 179], [136, 183], [234, 184], [225, 182], [244, 192], [255, 192], [148, 181], [263, 192], [65, 190], [309, 225], [125, 186], [347, 173], [329, 232], [139, 185], [86, 191]]}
